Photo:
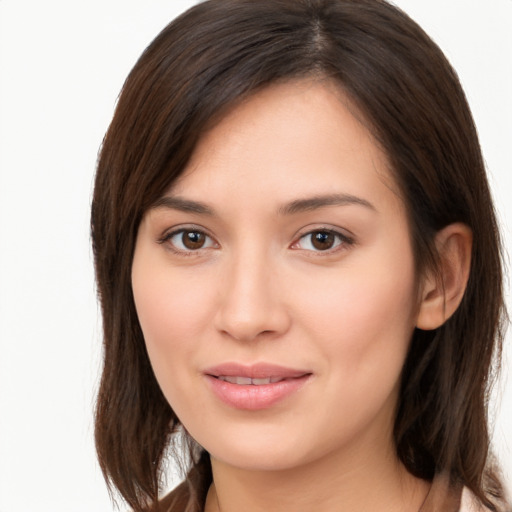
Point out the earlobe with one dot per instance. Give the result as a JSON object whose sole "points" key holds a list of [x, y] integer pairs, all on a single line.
{"points": [[442, 291]]}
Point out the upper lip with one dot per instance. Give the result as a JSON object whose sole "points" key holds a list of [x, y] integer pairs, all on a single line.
{"points": [[255, 371]]}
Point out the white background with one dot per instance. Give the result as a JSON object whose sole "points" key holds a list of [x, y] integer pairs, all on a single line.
{"points": [[62, 64]]}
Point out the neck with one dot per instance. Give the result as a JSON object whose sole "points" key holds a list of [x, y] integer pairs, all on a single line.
{"points": [[376, 482]]}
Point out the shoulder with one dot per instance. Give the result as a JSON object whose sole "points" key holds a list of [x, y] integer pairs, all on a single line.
{"points": [[469, 503], [190, 495], [176, 501]]}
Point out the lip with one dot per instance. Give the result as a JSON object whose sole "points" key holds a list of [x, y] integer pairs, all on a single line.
{"points": [[255, 397]]}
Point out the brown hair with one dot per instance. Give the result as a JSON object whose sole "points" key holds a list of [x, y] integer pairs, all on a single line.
{"points": [[205, 61]]}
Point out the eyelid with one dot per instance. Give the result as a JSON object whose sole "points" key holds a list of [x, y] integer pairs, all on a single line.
{"points": [[346, 240], [175, 230]]}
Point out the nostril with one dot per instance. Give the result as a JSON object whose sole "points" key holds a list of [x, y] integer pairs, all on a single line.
{"points": [[247, 311]]}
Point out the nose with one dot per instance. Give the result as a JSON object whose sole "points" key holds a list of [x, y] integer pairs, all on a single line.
{"points": [[251, 302]]}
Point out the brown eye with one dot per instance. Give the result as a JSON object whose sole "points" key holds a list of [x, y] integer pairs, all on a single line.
{"points": [[189, 240], [322, 240], [193, 239]]}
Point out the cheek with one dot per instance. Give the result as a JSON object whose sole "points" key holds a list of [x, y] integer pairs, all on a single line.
{"points": [[361, 324], [173, 311], [365, 318], [168, 309], [357, 302]]}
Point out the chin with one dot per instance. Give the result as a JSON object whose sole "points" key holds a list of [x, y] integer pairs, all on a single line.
{"points": [[253, 452], [259, 459]]}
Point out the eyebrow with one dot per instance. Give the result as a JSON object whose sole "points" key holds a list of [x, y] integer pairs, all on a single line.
{"points": [[184, 205], [313, 203], [293, 207]]}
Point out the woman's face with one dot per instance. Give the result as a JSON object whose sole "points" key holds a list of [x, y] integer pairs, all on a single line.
{"points": [[275, 284]]}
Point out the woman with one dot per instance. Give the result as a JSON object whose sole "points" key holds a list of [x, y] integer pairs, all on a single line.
{"points": [[298, 265]]}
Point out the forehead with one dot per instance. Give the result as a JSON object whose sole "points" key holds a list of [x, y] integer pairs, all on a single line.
{"points": [[294, 138]]}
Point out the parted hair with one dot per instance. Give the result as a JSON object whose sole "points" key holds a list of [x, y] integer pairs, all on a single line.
{"points": [[202, 64]]}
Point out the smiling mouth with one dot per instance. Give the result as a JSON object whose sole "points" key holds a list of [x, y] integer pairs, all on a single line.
{"points": [[255, 387], [254, 374], [247, 381]]}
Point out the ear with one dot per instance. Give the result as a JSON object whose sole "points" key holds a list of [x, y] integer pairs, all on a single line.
{"points": [[442, 292]]}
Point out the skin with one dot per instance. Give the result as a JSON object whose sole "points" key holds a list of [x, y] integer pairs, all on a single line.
{"points": [[258, 290]]}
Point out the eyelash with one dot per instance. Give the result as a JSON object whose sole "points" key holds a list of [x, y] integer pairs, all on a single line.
{"points": [[341, 241], [167, 237]]}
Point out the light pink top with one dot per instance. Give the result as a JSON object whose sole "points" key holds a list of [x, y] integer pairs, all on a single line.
{"points": [[444, 497]]}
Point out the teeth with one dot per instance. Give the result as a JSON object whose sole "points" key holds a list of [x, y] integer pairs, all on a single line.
{"points": [[258, 382], [245, 381]]}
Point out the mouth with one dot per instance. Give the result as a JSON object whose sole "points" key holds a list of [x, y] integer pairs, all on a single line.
{"points": [[258, 373], [255, 387], [247, 381]]}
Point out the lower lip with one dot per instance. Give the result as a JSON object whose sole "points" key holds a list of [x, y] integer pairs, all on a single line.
{"points": [[251, 397]]}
